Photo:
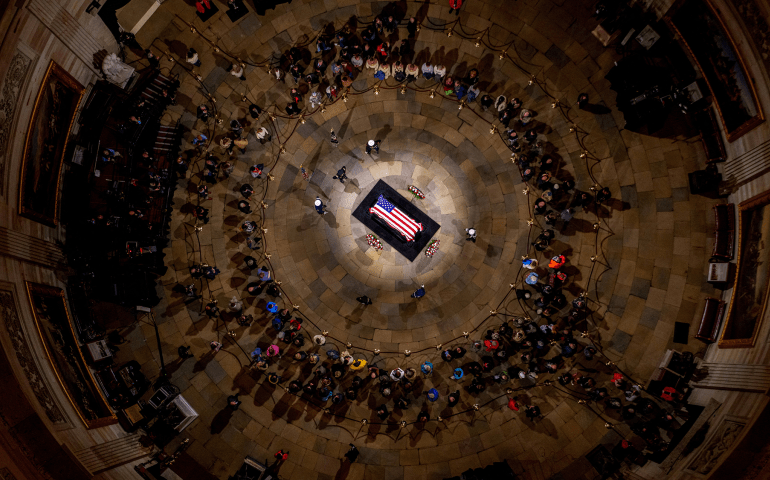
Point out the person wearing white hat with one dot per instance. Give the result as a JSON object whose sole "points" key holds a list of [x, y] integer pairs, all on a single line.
{"points": [[373, 145], [319, 206], [471, 234]]}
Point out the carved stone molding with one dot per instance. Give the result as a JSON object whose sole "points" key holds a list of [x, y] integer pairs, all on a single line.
{"points": [[11, 320], [10, 93], [724, 437]]}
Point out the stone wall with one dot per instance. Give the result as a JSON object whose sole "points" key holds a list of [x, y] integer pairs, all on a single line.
{"points": [[32, 34]]}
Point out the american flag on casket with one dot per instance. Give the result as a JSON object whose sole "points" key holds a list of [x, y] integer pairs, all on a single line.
{"points": [[397, 219]]}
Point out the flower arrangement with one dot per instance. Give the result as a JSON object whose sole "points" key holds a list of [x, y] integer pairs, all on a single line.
{"points": [[416, 192], [432, 248], [374, 242]]}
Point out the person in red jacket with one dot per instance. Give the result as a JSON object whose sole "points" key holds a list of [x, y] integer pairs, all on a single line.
{"points": [[280, 456], [454, 6], [203, 5], [557, 262]]}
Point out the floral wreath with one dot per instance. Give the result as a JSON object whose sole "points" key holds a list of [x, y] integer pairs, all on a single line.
{"points": [[374, 242], [432, 248], [416, 192]]}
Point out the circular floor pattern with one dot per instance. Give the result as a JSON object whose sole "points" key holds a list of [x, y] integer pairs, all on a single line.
{"points": [[651, 276]]}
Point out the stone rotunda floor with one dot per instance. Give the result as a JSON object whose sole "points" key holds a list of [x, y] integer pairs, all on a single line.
{"points": [[650, 272]]}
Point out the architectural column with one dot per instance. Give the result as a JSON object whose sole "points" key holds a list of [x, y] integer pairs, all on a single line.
{"points": [[736, 377], [30, 249], [113, 453], [68, 30]]}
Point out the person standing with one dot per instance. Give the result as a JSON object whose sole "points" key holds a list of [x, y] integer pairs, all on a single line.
{"points": [[263, 135], [280, 456], [246, 190], [373, 145], [200, 140], [582, 100], [233, 402], [184, 352], [236, 70], [603, 195], [453, 399], [241, 143], [471, 234], [432, 395], [264, 274], [525, 116], [454, 6], [331, 92], [203, 112], [192, 57], [203, 6], [427, 70], [305, 173], [419, 293], [532, 412], [341, 174], [334, 141], [293, 109], [154, 62], [227, 145], [412, 27], [235, 304], [315, 99], [357, 61], [255, 110], [319, 206], [439, 72], [364, 300], [352, 454], [412, 71], [382, 412], [295, 95], [486, 102]]}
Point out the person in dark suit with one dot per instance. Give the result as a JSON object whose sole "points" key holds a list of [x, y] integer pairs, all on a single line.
{"points": [[364, 300]]}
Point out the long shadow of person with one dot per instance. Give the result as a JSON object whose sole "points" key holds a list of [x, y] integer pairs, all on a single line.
{"points": [[200, 365], [344, 470], [221, 420], [597, 109], [275, 467]]}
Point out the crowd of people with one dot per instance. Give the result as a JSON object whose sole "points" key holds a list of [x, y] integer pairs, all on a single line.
{"points": [[141, 180], [376, 49], [521, 350]]}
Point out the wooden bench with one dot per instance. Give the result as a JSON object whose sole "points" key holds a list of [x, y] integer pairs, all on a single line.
{"points": [[724, 217], [723, 247], [708, 329], [724, 234]]}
